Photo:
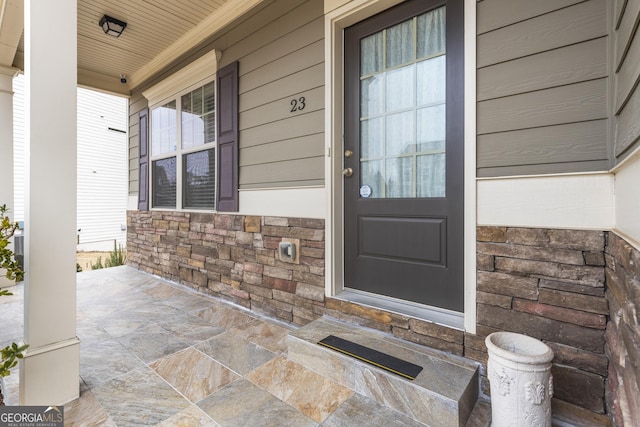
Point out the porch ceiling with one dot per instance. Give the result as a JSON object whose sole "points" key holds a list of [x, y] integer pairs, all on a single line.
{"points": [[157, 33]]}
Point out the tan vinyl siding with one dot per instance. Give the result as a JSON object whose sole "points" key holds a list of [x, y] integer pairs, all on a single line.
{"points": [[627, 78], [496, 14], [542, 87], [280, 148], [281, 53], [625, 29], [566, 65]]}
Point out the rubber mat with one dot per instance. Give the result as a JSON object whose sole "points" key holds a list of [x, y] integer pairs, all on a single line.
{"points": [[373, 357]]}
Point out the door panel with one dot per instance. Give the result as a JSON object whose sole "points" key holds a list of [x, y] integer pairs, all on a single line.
{"points": [[403, 154], [417, 240]]}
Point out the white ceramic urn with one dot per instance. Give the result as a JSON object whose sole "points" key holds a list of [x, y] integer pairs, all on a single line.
{"points": [[519, 371]]}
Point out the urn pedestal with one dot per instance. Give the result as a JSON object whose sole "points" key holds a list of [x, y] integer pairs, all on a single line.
{"points": [[519, 371]]}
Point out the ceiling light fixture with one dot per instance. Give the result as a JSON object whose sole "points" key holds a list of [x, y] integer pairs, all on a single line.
{"points": [[112, 26]]}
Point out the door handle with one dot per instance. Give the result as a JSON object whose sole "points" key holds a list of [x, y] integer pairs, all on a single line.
{"points": [[347, 172]]}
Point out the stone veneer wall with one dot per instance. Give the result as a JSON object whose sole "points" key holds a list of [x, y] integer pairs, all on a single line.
{"points": [[623, 332], [549, 284], [234, 257]]}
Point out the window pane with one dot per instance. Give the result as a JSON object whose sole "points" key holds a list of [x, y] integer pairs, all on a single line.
{"points": [[163, 129], [400, 89], [400, 177], [431, 175], [198, 116], [400, 44], [431, 85], [209, 128], [371, 96], [431, 33], [400, 134], [199, 180], [371, 56], [209, 97], [371, 137], [432, 128], [197, 101], [373, 176], [164, 183], [186, 103]]}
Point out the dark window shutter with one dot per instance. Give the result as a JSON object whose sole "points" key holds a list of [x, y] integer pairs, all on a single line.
{"points": [[227, 155], [143, 145]]}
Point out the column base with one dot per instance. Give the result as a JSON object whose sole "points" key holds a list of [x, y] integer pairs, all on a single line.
{"points": [[50, 375]]}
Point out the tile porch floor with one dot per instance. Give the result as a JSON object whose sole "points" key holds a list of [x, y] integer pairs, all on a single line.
{"points": [[156, 353]]}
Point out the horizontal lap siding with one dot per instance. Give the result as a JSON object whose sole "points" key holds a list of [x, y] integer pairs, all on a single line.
{"points": [[542, 87], [627, 78], [278, 147], [280, 49]]}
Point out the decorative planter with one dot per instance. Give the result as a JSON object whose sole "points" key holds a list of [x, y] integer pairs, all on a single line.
{"points": [[519, 371], [4, 282]]}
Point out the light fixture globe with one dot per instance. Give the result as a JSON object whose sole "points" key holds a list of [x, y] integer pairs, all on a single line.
{"points": [[112, 26]]}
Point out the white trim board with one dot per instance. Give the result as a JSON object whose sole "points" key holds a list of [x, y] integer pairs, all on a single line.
{"points": [[556, 201], [199, 70], [303, 202], [627, 200], [470, 214]]}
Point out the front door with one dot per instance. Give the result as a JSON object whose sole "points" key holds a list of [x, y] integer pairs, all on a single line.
{"points": [[403, 154]]}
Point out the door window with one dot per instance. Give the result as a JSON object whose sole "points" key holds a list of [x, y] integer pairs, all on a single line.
{"points": [[402, 109]]}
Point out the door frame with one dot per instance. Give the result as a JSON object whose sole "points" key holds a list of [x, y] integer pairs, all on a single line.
{"points": [[340, 14]]}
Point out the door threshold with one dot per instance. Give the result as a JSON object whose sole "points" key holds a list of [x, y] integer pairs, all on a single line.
{"points": [[441, 316]]}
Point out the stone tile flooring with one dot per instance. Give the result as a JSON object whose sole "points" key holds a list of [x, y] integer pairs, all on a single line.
{"points": [[155, 353]]}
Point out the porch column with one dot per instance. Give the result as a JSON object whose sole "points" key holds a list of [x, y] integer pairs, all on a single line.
{"points": [[6, 148], [49, 374], [6, 137]]}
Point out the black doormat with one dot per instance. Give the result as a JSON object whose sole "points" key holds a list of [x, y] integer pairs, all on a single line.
{"points": [[373, 357]]}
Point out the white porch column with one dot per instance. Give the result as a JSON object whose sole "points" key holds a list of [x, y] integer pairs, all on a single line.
{"points": [[6, 147], [49, 374], [6, 137]]}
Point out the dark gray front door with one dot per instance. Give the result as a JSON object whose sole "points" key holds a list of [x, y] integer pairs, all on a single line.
{"points": [[403, 183]]}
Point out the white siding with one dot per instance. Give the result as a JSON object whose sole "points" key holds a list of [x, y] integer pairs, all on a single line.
{"points": [[102, 166], [102, 169]]}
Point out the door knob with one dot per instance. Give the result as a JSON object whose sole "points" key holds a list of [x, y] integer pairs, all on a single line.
{"points": [[347, 172]]}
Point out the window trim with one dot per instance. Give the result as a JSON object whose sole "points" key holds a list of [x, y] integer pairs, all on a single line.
{"points": [[195, 75], [199, 70]]}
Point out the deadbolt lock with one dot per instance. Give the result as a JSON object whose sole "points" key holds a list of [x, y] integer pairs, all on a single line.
{"points": [[348, 154]]}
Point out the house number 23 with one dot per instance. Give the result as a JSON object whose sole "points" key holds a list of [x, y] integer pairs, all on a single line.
{"points": [[298, 104]]}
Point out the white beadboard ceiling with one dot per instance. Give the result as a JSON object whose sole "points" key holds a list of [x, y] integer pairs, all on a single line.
{"points": [[158, 32]]}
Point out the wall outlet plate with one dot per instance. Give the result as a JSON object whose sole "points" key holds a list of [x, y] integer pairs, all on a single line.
{"points": [[287, 251]]}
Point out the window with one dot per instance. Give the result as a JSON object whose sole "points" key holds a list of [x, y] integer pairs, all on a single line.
{"points": [[403, 108], [188, 139], [183, 150]]}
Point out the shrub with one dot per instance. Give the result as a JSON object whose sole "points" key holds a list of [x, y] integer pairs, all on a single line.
{"points": [[116, 257], [98, 265]]}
